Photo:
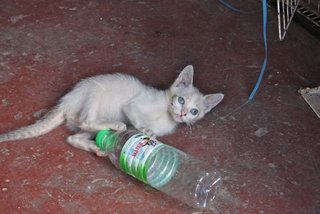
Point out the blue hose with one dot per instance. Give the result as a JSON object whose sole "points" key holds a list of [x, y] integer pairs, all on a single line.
{"points": [[264, 64]]}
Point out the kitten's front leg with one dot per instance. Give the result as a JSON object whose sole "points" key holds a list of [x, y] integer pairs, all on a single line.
{"points": [[149, 132], [136, 118]]}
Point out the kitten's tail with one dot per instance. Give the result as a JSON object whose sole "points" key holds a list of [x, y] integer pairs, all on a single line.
{"points": [[51, 120]]}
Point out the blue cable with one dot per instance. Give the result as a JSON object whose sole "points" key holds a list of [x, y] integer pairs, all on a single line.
{"points": [[231, 7], [264, 64]]}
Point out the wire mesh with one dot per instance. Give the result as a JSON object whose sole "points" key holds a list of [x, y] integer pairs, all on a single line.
{"points": [[286, 10], [313, 5], [310, 14]]}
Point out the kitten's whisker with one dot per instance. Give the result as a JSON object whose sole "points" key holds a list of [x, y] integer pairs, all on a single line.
{"points": [[232, 111], [190, 127]]}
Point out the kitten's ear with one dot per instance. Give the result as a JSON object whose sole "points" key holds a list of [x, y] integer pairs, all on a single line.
{"points": [[211, 100], [185, 78]]}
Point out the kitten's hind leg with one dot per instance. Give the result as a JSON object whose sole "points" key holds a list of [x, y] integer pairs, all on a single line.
{"points": [[83, 141], [97, 126]]}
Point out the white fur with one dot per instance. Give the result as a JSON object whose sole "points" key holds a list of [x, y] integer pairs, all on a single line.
{"points": [[117, 100]]}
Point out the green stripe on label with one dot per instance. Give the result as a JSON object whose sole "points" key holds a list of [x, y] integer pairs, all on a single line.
{"points": [[136, 154]]}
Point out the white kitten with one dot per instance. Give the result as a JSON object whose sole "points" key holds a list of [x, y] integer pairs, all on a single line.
{"points": [[112, 101]]}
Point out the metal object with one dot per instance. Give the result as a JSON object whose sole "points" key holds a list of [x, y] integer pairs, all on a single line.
{"points": [[312, 97], [286, 10], [307, 11]]}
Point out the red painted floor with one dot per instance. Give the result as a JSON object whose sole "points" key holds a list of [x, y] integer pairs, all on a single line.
{"points": [[268, 151]]}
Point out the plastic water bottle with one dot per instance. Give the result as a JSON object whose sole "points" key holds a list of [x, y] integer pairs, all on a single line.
{"points": [[161, 166]]}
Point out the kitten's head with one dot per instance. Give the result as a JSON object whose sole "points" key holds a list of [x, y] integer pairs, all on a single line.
{"points": [[187, 103]]}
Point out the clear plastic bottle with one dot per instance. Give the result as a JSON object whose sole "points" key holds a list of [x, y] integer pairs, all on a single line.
{"points": [[161, 166]]}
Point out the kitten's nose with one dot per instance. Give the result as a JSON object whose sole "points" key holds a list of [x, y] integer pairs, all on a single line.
{"points": [[183, 114]]}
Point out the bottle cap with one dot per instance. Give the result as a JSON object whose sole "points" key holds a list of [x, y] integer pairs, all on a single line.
{"points": [[106, 139]]}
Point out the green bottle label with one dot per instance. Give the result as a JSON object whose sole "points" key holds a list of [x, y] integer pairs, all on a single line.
{"points": [[136, 154]]}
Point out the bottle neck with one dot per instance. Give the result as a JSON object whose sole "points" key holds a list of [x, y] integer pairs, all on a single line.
{"points": [[106, 140]]}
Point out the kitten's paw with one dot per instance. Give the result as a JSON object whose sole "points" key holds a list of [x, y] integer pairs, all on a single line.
{"points": [[100, 153], [120, 127], [95, 149], [149, 132]]}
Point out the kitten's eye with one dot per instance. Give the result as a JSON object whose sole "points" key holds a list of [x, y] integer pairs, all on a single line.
{"points": [[194, 111], [181, 100]]}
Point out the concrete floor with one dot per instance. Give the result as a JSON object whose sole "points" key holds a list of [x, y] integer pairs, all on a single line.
{"points": [[267, 150]]}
